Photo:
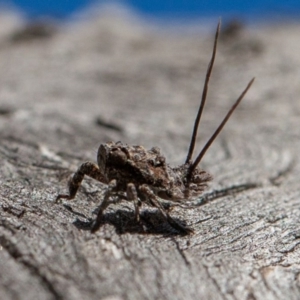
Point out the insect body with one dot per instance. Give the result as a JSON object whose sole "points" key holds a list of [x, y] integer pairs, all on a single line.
{"points": [[135, 174]]}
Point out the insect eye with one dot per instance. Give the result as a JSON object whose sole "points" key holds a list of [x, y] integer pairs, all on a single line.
{"points": [[118, 157]]}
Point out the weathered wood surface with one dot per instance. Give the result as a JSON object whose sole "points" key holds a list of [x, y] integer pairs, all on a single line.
{"points": [[53, 89]]}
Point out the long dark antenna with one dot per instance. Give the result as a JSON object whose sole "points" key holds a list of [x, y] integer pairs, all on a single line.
{"points": [[207, 145], [203, 98]]}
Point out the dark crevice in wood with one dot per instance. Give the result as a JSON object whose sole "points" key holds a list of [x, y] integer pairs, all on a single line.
{"points": [[35, 270], [214, 281], [209, 197], [181, 252], [279, 178]]}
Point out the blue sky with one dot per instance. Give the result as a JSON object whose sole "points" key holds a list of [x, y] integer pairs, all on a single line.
{"points": [[165, 8]]}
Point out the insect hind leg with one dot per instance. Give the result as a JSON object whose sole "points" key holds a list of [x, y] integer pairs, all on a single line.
{"points": [[144, 189]]}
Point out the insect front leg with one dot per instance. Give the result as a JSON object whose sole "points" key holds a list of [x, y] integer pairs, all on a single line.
{"points": [[132, 196], [89, 169], [146, 190], [105, 203]]}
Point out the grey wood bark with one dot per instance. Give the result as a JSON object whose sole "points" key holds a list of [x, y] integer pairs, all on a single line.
{"points": [[59, 94]]}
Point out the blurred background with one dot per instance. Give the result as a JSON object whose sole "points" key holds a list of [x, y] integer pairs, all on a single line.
{"points": [[249, 11], [102, 66]]}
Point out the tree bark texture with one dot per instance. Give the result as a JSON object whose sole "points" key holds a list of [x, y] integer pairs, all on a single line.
{"points": [[63, 94]]}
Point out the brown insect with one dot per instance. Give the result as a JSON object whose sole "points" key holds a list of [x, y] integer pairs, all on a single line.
{"points": [[138, 175]]}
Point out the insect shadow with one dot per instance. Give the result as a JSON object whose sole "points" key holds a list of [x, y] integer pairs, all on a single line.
{"points": [[123, 221]]}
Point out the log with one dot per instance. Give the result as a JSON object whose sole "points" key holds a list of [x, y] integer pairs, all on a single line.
{"points": [[113, 78]]}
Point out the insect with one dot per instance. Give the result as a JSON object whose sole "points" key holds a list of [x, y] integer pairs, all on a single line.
{"points": [[135, 174]]}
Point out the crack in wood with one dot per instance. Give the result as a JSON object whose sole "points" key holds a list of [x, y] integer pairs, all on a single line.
{"points": [[35, 270], [279, 178], [14, 210], [209, 197], [214, 281], [181, 252]]}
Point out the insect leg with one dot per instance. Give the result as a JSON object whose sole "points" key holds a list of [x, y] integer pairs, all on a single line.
{"points": [[105, 203], [155, 202], [89, 169], [132, 196]]}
